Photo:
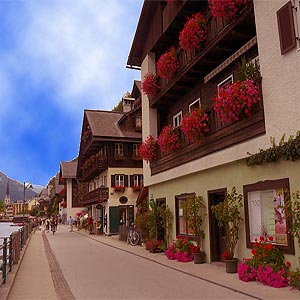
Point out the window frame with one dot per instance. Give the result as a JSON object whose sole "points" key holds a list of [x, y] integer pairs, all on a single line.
{"points": [[137, 180], [118, 180], [177, 119], [193, 103], [224, 82], [135, 150], [119, 149], [264, 186]]}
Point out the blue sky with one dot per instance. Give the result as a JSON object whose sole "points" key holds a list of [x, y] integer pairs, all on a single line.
{"points": [[58, 58]]}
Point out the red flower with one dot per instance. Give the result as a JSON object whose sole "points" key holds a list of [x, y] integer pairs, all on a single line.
{"points": [[168, 139], [167, 65], [254, 252], [270, 238], [148, 149], [226, 255], [288, 264], [193, 33], [150, 85], [262, 238], [221, 8]]}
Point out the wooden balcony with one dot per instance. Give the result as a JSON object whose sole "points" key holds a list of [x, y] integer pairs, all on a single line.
{"points": [[94, 169], [96, 196], [225, 36], [219, 137]]}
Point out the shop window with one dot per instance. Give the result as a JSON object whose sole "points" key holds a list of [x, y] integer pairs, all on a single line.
{"points": [[264, 215], [182, 226], [177, 119]]}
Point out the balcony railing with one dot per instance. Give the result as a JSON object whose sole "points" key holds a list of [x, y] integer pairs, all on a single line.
{"points": [[220, 136], [94, 168], [217, 29], [96, 196]]}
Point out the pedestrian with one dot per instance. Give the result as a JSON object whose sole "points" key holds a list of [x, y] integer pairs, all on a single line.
{"points": [[47, 223], [78, 223], [71, 223], [91, 225]]}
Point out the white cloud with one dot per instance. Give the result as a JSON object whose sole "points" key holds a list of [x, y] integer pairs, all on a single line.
{"points": [[78, 47]]}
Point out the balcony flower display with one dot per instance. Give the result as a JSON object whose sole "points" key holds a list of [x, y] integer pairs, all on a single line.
{"points": [[168, 64], [119, 188], [222, 8], [236, 99], [148, 149], [150, 85], [168, 139], [193, 33], [195, 125]]}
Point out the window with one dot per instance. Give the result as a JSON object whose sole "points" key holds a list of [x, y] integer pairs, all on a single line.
{"points": [[182, 226], [119, 151], [135, 151], [119, 180], [226, 81], [137, 180], [138, 121], [177, 119], [194, 105], [263, 213], [286, 28], [102, 151]]}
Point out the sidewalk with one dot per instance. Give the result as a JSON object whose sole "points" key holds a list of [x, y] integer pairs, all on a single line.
{"points": [[34, 276]]}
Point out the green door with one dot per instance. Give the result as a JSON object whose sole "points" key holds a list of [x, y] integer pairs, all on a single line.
{"points": [[114, 219]]}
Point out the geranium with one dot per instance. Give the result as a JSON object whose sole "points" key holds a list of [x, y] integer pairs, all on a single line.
{"points": [[181, 250], [168, 139], [167, 65], [235, 99], [195, 125], [266, 265], [226, 255], [221, 8], [193, 33], [119, 188], [150, 85], [148, 149]]}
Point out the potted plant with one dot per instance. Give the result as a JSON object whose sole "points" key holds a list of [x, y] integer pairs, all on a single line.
{"points": [[223, 8], [168, 64], [235, 100], [166, 220], [150, 85], [195, 125], [168, 140], [228, 215], [194, 32], [148, 149], [194, 213]]}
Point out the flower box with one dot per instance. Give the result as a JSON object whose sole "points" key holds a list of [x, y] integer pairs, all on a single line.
{"points": [[194, 32], [136, 188], [168, 140], [119, 188], [195, 125], [150, 86], [168, 64], [225, 8]]}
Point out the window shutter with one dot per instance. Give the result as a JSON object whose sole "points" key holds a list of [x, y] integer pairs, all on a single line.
{"points": [[112, 180], [286, 28], [126, 180], [131, 180]]}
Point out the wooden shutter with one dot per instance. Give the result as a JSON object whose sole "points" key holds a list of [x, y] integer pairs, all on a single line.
{"points": [[112, 180], [286, 28], [126, 180], [131, 180]]}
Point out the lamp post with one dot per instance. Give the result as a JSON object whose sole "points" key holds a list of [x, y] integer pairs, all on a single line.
{"points": [[25, 186]]}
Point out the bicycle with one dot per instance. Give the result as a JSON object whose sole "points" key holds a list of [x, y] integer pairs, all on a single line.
{"points": [[133, 236]]}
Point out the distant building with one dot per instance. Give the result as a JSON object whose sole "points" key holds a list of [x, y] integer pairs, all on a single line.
{"points": [[9, 209]]}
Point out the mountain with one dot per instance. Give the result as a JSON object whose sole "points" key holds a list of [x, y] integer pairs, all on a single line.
{"points": [[16, 189]]}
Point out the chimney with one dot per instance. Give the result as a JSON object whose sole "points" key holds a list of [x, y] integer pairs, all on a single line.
{"points": [[127, 104]]}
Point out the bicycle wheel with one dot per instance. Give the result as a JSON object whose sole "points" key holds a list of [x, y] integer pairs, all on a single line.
{"points": [[134, 238]]}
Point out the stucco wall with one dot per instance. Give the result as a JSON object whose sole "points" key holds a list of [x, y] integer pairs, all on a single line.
{"points": [[235, 174]]}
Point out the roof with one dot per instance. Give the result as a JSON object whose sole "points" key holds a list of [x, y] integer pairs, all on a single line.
{"points": [[68, 169], [105, 124]]}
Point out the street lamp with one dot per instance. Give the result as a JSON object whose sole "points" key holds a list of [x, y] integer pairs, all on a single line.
{"points": [[25, 186]]}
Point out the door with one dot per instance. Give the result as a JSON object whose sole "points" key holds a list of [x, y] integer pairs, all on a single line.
{"points": [[161, 202], [217, 236], [114, 219]]}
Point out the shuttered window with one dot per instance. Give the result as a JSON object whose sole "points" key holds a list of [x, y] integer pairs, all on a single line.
{"points": [[286, 28]]}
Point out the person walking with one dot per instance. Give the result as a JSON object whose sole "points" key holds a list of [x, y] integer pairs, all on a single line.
{"points": [[70, 221]]}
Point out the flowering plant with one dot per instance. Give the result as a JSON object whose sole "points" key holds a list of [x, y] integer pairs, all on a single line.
{"points": [[266, 265], [167, 65], [295, 278], [136, 188], [221, 8], [168, 139], [235, 99], [148, 149], [181, 249], [150, 85], [119, 188], [195, 125], [228, 216], [193, 33], [225, 255]]}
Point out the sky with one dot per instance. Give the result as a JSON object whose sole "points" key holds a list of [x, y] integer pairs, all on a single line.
{"points": [[58, 58]]}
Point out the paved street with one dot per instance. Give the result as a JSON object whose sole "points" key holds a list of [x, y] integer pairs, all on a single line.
{"points": [[75, 265]]}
